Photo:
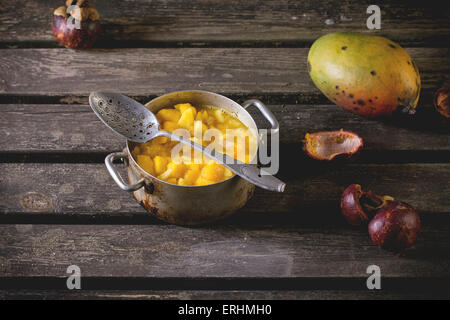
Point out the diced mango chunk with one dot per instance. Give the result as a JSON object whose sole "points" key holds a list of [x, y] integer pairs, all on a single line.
{"points": [[202, 116], [187, 119], [172, 180], [155, 149], [145, 162], [199, 128], [219, 114], [228, 173], [233, 124], [161, 140], [192, 175], [177, 169], [182, 107], [202, 181], [165, 175], [170, 126], [160, 164], [168, 115], [211, 121], [213, 172]]}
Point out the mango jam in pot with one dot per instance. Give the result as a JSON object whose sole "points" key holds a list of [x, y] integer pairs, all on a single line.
{"points": [[208, 125]]}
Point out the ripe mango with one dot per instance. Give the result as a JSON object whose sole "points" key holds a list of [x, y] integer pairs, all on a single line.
{"points": [[365, 74]]}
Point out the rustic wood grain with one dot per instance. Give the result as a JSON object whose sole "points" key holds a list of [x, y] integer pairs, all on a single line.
{"points": [[67, 190], [202, 22], [167, 251], [75, 128], [216, 295], [157, 71], [277, 239]]}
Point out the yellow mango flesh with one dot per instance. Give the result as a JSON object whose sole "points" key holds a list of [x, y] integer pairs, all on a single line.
{"points": [[155, 158]]}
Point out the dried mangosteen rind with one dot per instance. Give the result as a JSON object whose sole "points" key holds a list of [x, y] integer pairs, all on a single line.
{"points": [[374, 202], [351, 207], [328, 145], [357, 206]]}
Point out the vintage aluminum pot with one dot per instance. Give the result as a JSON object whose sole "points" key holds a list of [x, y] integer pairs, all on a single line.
{"points": [[189, 205]]}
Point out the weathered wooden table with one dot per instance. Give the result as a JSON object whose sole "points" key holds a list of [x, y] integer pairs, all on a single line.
{"points": [[59, 206]]}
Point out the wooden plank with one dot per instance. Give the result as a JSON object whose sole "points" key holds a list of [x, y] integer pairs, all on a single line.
{"points": [[65, 190], [214, 295], [199, 21], [144, 72], [75, 128], [221, 252]]}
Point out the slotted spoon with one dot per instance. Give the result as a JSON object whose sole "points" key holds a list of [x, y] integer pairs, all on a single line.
{"points": [[135, 122]]}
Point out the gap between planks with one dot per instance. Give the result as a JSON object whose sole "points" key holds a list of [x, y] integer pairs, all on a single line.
{"points": [[219, 295], [291, 150], [166, 288]]}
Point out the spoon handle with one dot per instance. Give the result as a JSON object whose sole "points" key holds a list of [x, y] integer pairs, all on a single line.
{"points": [[246, 171]]}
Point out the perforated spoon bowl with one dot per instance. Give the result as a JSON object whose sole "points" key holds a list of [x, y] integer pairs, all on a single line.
{"points": [[134, 121]]}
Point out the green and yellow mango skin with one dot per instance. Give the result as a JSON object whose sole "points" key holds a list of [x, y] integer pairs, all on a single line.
{"points": [[368, 75]]}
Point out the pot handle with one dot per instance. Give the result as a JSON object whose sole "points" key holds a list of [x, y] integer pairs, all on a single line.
{"points": [[115, 174], [265, 111]]}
